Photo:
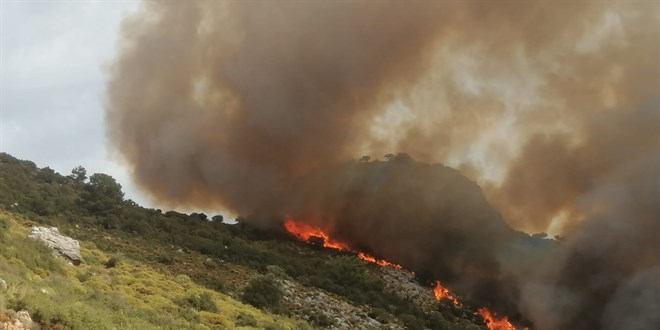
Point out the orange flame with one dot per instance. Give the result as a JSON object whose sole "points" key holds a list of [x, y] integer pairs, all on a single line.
{"points": [[440, 292], [304, 232], [493, 323], [379, 262]]}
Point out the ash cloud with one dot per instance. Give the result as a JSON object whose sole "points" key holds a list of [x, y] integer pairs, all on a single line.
{"points": [[553, 108]]}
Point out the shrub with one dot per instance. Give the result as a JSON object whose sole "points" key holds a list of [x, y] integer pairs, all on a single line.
{"points": [[411, 322], [321, 320], [380, 315], [245, 320], [165, 259], [112, 263], [203, 302], [273, 326], [83, 277], [263, 292]]}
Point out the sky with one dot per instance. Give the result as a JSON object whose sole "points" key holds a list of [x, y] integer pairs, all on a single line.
{"points": [[53, 56]]}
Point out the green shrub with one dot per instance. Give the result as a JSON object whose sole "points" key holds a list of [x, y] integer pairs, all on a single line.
{"points": [[83, 277], [263, 292], [380, 315], [203, 302], [273, 326], [245, 320], [321, 320], [411, 322]]}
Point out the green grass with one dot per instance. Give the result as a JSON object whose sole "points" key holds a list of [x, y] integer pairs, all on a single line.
{"points": [[130, 295]]}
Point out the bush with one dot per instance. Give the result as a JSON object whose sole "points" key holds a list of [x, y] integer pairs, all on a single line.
{"points": [[263, 292], [321, 320], [273, 326], [245, 320], [203, 302], [165, 259], [112, 263], [411, 322]]}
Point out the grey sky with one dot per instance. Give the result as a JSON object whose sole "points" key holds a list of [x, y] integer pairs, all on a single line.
{"points": [[52, 82]]}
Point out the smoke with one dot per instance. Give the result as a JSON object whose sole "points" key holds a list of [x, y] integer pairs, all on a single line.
{"points": [[553, 108]]}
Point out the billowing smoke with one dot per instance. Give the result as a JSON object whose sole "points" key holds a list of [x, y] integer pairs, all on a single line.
{"points": [[553, 108]]}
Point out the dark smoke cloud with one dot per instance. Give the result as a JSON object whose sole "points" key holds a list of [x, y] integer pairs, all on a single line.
{"points": [[429, 218], [552, 107]]}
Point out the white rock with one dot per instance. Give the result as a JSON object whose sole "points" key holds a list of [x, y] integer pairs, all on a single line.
{"points": [[60, 244], [25, 319]]}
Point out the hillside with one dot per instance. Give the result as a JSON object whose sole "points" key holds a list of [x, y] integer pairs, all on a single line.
{"points": [[145, 268]]}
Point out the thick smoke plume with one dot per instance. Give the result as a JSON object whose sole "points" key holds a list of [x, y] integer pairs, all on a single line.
{"points": [[553, 107]]}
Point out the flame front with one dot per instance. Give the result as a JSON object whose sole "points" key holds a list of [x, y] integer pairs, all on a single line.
{"points": [[304, 232], [440, 293], [493, 323], [379, 262]]}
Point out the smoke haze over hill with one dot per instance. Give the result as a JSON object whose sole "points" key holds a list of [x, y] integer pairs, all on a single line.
{"points": [[552, 107]]}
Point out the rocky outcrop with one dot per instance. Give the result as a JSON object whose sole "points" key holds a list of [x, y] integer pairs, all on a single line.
{"points": [[25, 319], [61, 245], [11, 320]]}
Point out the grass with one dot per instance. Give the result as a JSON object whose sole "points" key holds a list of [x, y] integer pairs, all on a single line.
{"points": [[130, 295]]}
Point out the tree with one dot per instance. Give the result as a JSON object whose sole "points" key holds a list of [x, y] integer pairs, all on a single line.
{"points": [[102, 194], [78, 175]]}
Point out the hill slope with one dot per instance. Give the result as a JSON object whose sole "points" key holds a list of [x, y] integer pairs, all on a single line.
{"points": [[172, 270]]}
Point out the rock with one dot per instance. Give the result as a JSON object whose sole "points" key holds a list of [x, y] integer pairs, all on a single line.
{"points": [[11, 325], [16, 321], [24, 317], [61, 245], [3, 284]]}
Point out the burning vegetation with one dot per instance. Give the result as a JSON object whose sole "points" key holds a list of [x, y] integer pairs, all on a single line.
{"points": [[440, 293], [494, 323], [309, 234]]}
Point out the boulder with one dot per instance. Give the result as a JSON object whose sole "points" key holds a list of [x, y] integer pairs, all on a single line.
{"points": [[61, 245], [24, 317], [11, 325], [16, 321]]}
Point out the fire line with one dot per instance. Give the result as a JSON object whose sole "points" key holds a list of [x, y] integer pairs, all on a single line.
{"points": [[304, 232]]}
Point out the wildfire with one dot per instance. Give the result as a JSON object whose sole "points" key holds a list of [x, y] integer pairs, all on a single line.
{"points": [[304, 232], [441, 292], [379, 262], [493, 323]]}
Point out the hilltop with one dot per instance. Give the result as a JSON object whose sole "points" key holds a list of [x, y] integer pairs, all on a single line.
{"points": [[146, 268]]}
